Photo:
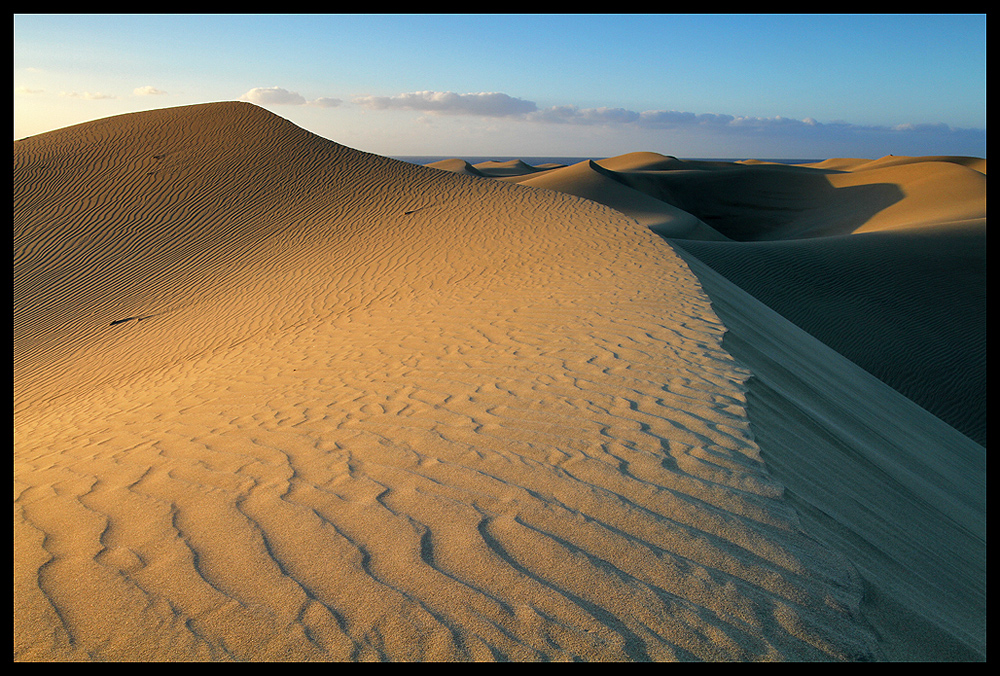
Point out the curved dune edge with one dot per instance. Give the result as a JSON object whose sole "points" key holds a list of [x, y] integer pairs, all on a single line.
{"points": [[457, 166], [897, 491], [277, 399]]}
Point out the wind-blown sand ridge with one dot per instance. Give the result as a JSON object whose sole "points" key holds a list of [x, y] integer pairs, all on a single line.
{"points": [[278, 399]]}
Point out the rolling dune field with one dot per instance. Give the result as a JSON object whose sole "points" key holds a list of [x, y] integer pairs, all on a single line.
{"points": [[277, 399]]}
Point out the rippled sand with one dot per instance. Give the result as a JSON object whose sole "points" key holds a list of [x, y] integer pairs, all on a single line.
{"points": [[278, 399]]}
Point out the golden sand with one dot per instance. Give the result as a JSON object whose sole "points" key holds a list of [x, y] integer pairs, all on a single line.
{"points": [[278, 399]]}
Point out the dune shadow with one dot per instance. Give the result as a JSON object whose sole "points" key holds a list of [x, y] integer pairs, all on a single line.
{"points": [[909, 307], [906, 305], [755, 203], [828, 447]]}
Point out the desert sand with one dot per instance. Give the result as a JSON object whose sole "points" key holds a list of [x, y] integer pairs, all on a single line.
{"points": [[277, 399]]}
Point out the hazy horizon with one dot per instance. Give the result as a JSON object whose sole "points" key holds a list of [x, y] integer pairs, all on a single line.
{"points": [[711, 86]]}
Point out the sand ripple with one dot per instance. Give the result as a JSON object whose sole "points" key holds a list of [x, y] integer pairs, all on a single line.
{"points": [[368, 411]]}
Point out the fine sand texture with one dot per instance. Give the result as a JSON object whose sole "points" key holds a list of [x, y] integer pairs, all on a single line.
{"points": [[276, 399]]}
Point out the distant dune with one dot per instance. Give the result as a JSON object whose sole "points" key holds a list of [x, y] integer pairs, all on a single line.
{"points": [[276, 399]]}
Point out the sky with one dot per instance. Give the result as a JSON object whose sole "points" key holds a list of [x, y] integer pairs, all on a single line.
{"points": [[765, 86]]}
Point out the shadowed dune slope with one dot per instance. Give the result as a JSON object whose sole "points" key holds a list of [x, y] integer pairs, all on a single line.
{"points": [[757, 202], [901, 493], [908, 306], [278, 399]]}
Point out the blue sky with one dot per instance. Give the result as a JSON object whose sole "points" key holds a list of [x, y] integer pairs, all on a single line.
{"points": [[774, 86]]}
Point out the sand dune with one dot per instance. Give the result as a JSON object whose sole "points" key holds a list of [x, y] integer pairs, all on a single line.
{"points": [[591, 181], [278, 399], [458, 166], [499, 169], [906, 301]]}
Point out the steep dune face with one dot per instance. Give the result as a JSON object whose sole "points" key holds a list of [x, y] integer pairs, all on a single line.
{"points": [[935, 191], [899, 492], [277, 399], [908, 306], [765, 201]]}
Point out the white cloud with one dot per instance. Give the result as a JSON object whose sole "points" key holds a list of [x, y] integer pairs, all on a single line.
{"points": [[325, 102], [556, 114], [922, 128], [657, 119], [91, 96], [273, 96], [711, 128], [276, 96], [574, 115], [666, 119], [27, 90], [488, 104], [804, 133], [148, 90]]}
